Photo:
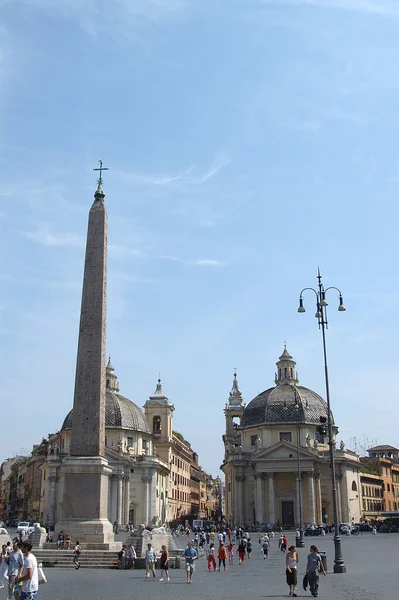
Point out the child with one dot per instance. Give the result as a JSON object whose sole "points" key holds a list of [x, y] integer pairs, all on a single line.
{"points": [[76, 554], [265, 549], [211, 557], [222, 555]]}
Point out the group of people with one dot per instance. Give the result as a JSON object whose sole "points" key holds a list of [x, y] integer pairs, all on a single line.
{"points": [[151, 559], [64, 541], [19, 570], [314, 566], [127, 557]]}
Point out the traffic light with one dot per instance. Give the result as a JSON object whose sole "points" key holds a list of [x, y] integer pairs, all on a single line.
{"points": [[322, 430]]}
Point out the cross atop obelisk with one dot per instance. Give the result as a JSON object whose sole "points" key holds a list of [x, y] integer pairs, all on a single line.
{"points": [[101, 169]]}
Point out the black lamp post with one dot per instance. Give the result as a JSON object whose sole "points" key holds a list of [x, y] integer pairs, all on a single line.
{"points": [[299, 541], [321, 316]]}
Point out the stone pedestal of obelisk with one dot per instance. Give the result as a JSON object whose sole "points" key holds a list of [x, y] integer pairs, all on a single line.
{"points": [[85, 472]]}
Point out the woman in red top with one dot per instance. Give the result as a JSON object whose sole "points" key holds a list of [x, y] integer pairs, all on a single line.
{"points": [[164, 563], [222, 555]]}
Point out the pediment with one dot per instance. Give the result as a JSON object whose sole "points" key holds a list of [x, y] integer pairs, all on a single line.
{"points": [[282, 451]]}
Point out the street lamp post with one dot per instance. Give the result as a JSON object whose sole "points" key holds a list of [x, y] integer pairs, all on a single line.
{"points": [[299, 541], [321, 316]]}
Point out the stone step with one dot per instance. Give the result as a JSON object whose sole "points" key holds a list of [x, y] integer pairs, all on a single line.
{"points": [[94, 559]]}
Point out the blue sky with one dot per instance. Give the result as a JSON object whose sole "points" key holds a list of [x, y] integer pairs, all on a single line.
{"points": [[248, 142]]}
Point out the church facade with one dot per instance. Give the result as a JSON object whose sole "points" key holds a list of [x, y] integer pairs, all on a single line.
{"points": [[274, 450], [150, 479]]}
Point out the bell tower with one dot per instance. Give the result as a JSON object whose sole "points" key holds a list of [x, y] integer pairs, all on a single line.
{"points": [[159, 413], [233, 410]]}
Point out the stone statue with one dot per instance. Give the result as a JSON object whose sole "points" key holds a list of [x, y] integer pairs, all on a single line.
{"points": [[307, 438], [257, 442], [315, 444], [342, 445]]}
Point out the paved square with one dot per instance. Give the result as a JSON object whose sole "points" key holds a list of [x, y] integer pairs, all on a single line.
{"points": [[371, 575]]}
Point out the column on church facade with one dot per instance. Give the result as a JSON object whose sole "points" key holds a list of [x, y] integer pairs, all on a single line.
{"points": [[312, 513], [126, 500], [259, 497], [299, 491], [319, 504], [53, 500], [114, 497], [272, 504], [241, 505], [338, 479], [236, 500], [120, 499], [146, 481]]}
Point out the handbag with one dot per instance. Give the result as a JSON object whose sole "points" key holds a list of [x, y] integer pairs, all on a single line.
{"points": [[42, 577], [305, 582]]}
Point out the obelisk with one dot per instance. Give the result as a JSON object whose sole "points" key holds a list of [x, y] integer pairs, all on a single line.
{"points": [[85, 471]]}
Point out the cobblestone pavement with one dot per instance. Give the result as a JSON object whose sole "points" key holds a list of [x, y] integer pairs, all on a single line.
{"points": [[371, 563]]}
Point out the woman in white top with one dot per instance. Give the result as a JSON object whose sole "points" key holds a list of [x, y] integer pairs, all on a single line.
{"points": [[291, 564], [3, 565]]}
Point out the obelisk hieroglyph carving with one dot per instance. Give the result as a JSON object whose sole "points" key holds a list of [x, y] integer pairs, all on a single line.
{"points": [[85, 471]]}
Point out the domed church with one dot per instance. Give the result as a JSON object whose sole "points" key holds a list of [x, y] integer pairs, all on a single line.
{"points": [[272, 440], [139, 480]]}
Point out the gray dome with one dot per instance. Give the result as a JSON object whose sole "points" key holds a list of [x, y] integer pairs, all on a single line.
{"points": [[120, 413], [277, 405]]}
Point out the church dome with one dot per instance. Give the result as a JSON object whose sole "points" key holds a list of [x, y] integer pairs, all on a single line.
{"points": [[120, 412], [280, 404]]}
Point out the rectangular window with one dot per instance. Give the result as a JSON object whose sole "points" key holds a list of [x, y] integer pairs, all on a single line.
{"points": [[285, 435], [130, 441], [253, 439]]}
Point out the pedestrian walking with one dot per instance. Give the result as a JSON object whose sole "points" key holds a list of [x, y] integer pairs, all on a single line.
{"points": [[284, 544], [230, 552], [291, 564], [211, 557], [3, 566], [313, 567], [249, 548], [222, 555], [265, 549], [15, 568], [280, 541], [150, 558], [76, 555], [241, 552], [30, 574], [164, 563], [190, 554], [131, 556]]}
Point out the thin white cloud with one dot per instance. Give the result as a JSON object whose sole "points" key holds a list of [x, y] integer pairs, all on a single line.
{"points": [[388, 8], [46, 238], [124, 252], [121, 19], [202, 262]]}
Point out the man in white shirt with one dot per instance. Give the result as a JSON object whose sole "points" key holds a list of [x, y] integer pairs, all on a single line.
{"points": [[30, 577]]}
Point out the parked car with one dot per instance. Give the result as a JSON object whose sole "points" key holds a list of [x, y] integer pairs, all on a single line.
{"points": [[313, 531], [364, 526], [390, 526], [23, 527]]}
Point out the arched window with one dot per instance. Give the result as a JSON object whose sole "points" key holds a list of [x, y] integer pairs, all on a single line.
{"points": [[279, 373], [291, 372], [354, 486], [156, 425], [107, 383], [285, 372]]}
